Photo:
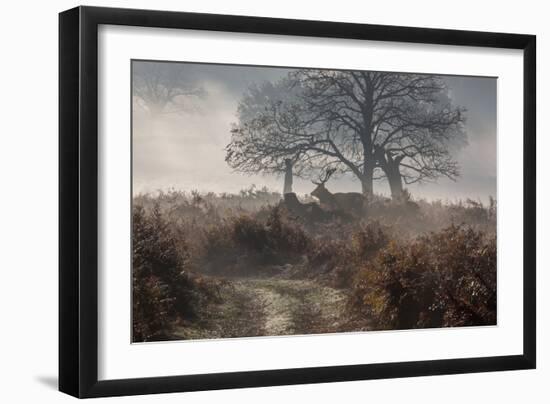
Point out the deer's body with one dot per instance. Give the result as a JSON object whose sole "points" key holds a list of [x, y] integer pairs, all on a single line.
{"points": [[346, 202], [350, 202], [310, 211]]}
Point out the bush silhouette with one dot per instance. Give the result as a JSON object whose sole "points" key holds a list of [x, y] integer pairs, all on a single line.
{"points": [[442, 279]]}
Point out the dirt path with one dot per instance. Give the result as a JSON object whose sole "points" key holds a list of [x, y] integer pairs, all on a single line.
{"points": [[271, 306]]}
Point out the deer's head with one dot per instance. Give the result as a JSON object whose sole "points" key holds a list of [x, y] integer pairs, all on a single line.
{"points": [[320, 191]]}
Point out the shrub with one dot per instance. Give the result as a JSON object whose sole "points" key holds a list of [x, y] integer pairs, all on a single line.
{"points": [[442, 279], [284, 236], [330, 259], [244, 243], [249, 234], [368, 240], [339, 259], [161, 289], [151, 307], [217, 248]]}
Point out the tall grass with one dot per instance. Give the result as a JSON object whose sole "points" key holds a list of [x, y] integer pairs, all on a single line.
{"points": [[403, 265]]}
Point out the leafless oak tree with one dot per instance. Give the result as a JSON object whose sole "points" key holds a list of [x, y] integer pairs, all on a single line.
{"points": [[272, 134], [372, 124]]}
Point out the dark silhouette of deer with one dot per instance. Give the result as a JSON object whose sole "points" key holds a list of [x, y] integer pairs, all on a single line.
{"points": [[347, 202], [309, 211]]}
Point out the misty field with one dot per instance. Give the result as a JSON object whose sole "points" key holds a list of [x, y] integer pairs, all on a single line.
{"points": [[239, 265], [368, 215]]}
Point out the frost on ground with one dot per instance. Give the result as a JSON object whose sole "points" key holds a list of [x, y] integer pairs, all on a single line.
{"points": [[269, 307]]}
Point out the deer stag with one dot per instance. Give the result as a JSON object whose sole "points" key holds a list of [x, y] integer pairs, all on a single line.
{"points": [[309, 211], [346, 202]]}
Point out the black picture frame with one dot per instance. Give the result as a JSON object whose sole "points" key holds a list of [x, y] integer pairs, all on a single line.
{"points": [[78, 201]]}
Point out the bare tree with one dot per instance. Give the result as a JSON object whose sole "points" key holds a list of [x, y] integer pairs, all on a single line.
{"points": [[161, 87], [403, 124], [272, 134], [372, 124], [417, 144]]}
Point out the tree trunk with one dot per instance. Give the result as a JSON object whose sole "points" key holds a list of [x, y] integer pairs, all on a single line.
{"points": [[287, 188], [390, 166], [396, 184], [366, 180]]}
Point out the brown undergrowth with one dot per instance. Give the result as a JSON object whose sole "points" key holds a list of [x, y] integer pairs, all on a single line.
{"points": [[403, 265]]}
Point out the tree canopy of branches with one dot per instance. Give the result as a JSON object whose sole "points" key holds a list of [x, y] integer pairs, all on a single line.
{"points": [[372, 124], [161, 87], [273, 130]]}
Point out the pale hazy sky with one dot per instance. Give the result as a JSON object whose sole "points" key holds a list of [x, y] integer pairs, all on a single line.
{"points": [[185, 150]]}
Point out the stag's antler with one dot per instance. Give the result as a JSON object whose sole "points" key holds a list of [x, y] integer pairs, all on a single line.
{"points": [[325, 177]]}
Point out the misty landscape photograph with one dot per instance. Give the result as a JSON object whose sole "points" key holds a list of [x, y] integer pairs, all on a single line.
{"points": [[275, 201]]}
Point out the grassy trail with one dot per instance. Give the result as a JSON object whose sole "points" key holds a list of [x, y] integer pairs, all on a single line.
{"points": [[267, 307]]}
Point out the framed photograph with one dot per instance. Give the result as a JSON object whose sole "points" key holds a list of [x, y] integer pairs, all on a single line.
{"points": [[251, 201]]}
